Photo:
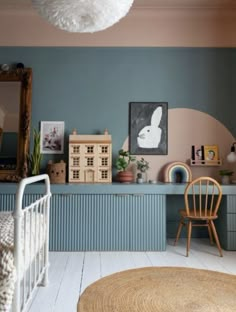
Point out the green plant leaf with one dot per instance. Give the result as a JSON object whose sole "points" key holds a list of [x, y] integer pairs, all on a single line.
{"points": [[226, 172], [124, 160], [36, 157]]}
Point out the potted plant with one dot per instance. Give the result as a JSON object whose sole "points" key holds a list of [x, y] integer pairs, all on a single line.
{"points": [[36, 157], [142, 166], [122, 163], [225, 175]]}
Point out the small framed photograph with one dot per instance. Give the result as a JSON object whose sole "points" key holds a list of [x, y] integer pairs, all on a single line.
{"points": [[211, 153], [148, 128], [52, 137], [197, 152]]}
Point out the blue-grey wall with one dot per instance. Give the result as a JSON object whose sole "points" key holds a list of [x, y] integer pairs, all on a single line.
{"points": [[90, 88]]}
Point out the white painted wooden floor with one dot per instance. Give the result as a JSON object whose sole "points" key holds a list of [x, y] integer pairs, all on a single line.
{"points": [[71, 272]]}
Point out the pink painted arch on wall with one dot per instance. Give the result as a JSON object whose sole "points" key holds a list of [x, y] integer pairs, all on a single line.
{"points": [[187, 127]]}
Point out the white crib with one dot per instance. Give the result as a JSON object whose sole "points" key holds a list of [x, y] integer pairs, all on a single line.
{"points": [[31, 241]]}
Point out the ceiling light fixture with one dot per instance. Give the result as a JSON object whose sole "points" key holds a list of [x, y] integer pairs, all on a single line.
{"points": [[232, 155], [82, 15]]}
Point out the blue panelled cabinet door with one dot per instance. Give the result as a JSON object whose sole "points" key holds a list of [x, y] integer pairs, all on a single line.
{"points": [[107, 222]]}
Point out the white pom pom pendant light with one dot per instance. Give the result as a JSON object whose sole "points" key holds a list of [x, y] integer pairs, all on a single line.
{"points": [[82, 15]]}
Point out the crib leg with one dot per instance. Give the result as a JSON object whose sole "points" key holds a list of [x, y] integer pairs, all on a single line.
{"points": [[46, 255], [45, 280]]}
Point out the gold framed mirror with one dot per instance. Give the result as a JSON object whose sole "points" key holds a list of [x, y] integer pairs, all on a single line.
{"points": [[15, 117]]}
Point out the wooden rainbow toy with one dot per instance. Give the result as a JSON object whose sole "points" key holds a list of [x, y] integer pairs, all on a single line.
{"points": [[177, 172]]}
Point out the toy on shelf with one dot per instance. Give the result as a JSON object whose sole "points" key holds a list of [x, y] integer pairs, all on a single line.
{"points": [[56, 172], [177, 172], [90, 158]]}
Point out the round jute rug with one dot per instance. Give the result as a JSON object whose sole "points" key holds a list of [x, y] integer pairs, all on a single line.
{"points": [[161, 289]]}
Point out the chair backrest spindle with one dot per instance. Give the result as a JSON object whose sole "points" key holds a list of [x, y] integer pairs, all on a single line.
{"points": [[206, 198], [200, 198], [194, 199]]}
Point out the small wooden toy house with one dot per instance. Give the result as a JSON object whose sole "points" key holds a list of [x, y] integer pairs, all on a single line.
{"points": [[90, 158]]}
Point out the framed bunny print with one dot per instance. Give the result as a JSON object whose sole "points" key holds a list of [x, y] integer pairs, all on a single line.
{"points": [[148, 128]]}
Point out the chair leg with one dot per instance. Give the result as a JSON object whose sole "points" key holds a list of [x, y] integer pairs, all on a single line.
{"points": [[189, 237], [210, 232], [181, 224], [216, 237]]}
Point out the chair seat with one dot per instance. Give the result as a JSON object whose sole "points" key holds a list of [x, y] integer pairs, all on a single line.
{"points": [[197, 216]]}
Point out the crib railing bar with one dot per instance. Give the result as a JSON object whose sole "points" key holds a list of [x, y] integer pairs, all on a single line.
{"points": [[35, 264], [18, 214], [40, 221], [24, 257], [43, 236], [38, 234], [25, 308], [30, 252], [43, 275], [46, 251], [27, 256], [17, 256], [44, 232], [27, 252], [35, 203]]}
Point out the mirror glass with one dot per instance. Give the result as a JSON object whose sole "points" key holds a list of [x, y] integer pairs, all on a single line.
{"points": [[9, 123], [15, 115]]}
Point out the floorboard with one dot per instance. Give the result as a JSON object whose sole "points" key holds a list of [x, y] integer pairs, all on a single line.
{"points": [[71, 272], [91, 269], [69, 284]]}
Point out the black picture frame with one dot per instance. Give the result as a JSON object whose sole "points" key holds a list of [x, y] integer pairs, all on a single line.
{"points": [[148, 128]]}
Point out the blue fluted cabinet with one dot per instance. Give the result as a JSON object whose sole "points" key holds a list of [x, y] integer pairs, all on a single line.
{"points": [[119, 216], [107, 222]]}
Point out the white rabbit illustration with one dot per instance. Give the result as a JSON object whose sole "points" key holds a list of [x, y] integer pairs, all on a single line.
{"points": [[150, 136]]}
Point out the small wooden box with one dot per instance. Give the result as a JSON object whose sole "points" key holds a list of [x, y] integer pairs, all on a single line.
{"points": [[57, 172]]}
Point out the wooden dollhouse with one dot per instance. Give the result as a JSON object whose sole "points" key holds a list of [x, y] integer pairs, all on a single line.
{"points": [[90, 158]]}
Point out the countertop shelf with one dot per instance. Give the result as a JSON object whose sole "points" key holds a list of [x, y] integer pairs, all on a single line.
{"points": [[132, 189]]}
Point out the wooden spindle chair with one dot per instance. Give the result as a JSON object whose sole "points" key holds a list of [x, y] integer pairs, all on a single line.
{"points": [[202, 199]]}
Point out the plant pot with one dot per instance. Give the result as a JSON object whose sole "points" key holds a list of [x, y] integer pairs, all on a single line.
{"points": [[139, 180], [125, 176], [225, 179]]}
